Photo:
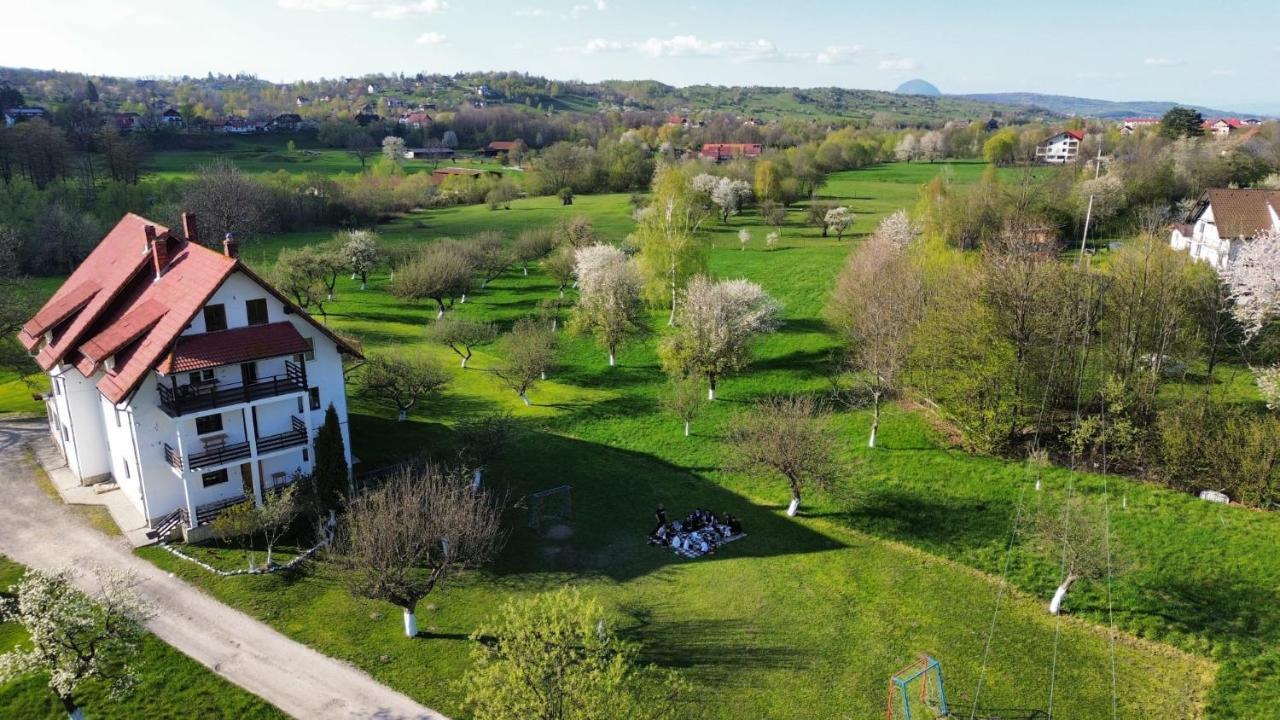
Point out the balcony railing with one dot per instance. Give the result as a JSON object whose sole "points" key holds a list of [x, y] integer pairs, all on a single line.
{"points": [[184, 399], [208, 512], [219, 455], [172, 457], [287, 439]]}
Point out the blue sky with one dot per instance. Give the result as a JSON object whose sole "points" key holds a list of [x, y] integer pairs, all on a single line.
{"points": [[1170, 50]]}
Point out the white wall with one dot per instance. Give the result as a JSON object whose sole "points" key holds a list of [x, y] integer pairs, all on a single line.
{"points": [[77, 402]]}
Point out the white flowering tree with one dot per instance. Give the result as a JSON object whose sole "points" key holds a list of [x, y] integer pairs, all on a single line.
{"points": [[393, 148], [898, 229], [908, 148], [932, 146], [771, 240], [715, 325], [839, 219], [1253, 279], [744, 237], [729, 196], [609, 305], [360, 251], [75, 637]]}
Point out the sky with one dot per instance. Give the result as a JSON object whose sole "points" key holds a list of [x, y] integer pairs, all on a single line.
{"points": [[1176, 50]]}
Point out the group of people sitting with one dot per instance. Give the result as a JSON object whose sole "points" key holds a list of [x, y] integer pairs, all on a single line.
{"points": [[700, 533]]}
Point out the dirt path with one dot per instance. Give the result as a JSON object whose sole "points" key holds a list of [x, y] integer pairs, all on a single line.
{"points": [[41, 534]]}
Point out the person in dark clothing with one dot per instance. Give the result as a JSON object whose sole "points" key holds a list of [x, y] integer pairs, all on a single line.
{"points": [[660, 514]]}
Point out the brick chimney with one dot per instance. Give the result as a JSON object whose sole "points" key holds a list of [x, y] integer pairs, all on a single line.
{"points": [[159, 250], [230, 247], [189, 227]]}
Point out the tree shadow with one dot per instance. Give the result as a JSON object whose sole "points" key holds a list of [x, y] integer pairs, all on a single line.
{"points": [[949, 524], [1220, 604], [714, 650]]}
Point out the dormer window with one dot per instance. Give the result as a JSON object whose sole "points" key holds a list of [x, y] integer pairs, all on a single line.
{"points": [[215, 318]]}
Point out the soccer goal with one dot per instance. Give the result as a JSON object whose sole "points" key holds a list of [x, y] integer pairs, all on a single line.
{"points": [[931, 700], [551, 506]]}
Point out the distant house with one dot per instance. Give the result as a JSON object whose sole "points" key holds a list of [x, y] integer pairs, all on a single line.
{"points": [[721, 152], [372, 89], [429, 153], [993, 124], [15, 115], [171, 118], [416, 120], [127, 122], [286, 122], [393, 102], [442, 174], [1129, 125], [1061, 148], [1223, 220], [498, 146], [679, 120], [302, 101], [1222, 127]]}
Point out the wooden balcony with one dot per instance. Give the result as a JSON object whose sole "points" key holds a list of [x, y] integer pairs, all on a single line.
{"points": [[221, 454], [293, 437], [179, 400]]}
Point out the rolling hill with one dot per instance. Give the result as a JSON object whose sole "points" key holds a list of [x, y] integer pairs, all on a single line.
{"points": [[1089, 107]]}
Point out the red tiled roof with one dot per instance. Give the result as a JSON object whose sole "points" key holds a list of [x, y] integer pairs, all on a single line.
{"points": [[457, 171], [59, 308], [1077, 134], [725, 149], [501, 145], [229, 347], [140, 319]]}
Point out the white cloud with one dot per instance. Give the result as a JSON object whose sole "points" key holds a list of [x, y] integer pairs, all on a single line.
{"points": [[685, 46], [898, 64], [431, 38], [835, 54], [376, 8], [579, 10], [1161, 62]]}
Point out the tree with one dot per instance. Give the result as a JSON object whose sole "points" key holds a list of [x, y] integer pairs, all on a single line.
{"points": [[402, 380], [715, 326], [683, 399], [308, 275], [876, 305], [483, 440], [75, 637], [492, 256], [609, 296], [530, 350], [501, 195], [1001, 148], [1076, 536], [729, 195], [907, 149], [442, 272], [768, 184], [576, 232], [228, 202], [560, 167], [670, 251], [271, 519], [1253, 279], [461, 336], [1180, 122], [532, 246], [401, 541], [744, 237], [560, 266], [360, 250], [240, 521], [932, 146], [787, 435], [330, 479], [774, 214], [361, 146], [816, 215], [840, 219], [393, 149], [553, 656]]}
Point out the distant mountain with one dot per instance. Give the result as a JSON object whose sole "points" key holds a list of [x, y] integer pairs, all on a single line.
{"points": [[1088, 107], [918, 87]]}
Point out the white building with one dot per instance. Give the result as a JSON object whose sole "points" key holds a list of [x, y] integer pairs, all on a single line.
{"points": [[183, 376], [1061, 148], [1224, 219]]}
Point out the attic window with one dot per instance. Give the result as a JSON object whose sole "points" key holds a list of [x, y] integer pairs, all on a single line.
{"points": [[215, 318]]}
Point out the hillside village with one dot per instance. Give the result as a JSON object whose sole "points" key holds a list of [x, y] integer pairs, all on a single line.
{"points": [[443, 395]]}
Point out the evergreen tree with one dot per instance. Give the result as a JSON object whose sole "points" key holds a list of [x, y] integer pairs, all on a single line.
{"points": [[1181, 122], [329, 475], [90, 91]]}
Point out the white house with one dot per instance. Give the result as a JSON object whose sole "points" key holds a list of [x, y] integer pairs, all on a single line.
{"points": [[171, 118], [1061, 148], [182, 375], [1223, 219]]}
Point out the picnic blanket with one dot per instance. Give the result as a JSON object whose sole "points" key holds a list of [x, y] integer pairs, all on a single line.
{"points": [[692, 552]]}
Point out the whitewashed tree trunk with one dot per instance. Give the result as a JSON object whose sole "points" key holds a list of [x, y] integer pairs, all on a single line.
{"points": [[526, 270], [1055, 605], [75, 714], [711, 392], [1037, 484], [440, 313], [476, 478], [410, 623], [463, 300], [353, 276], [404, 414], [875, 423], [612, 361], [364, 285], [793, 507], [465, 358], [686, 428], [543, 374], [555, 324], [525, 398], [562, 293]]}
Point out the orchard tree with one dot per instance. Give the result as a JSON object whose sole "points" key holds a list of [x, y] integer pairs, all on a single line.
{"points": [[73, 637], [393, 149], [442, 272], [670, 250], [839, 219], [307, 275], [483, 440], [554, 656], [932, 146], [816, 215], [744, 237], [532, 246], [403, 540], [359, 248], [492, 256], [609, 296], [560, 266], [402, 379], [714, 328], [576, 232], [683, 399], [530, 350], [361, 146], [907, 149], [1253, 279], [1076, 536], [461, 336], [227, 201], [789, 436], [898, 229], [729, 196]]}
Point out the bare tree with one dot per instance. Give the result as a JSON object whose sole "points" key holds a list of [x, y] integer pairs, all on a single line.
{"points": [[227, 201], [492, 256], [442, 272], [1077, 537], [402, 541], [560, 266], [362, 147], [876, 304], [532, 246], [462, 335], [715, 325], [530, 350], [786, 435], [483, 440], [683, 399], [74, 637], [402, 380], [609, 300]]}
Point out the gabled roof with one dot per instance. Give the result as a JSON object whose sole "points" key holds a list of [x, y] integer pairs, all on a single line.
{"points": [[59, 308], [501, 145], [229, 347], [1241, 213], [140, 319]]}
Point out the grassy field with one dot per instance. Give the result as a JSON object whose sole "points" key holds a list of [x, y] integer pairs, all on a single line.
{"points": [[168, 681], [805, 617]]}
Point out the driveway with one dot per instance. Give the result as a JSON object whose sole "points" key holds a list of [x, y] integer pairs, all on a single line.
{"points": [[39, 533]]}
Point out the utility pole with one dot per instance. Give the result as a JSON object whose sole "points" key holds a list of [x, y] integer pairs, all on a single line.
{"points": [[1088, 214]]}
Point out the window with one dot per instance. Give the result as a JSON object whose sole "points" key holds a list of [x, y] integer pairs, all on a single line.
{"points": [[208, 424], [200, 376], [127, 475], [249, 373], [299, 404], [66, 434], [215, 318], [310, 354], [217, 477], [257, 311], [306, 456], [314, 394]]}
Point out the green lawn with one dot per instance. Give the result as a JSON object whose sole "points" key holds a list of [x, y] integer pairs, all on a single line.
{"points": [[169, 684], [804, 617]]}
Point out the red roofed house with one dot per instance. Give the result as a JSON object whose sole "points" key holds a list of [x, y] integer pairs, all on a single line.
{"points": [[498, 146], [1223, 220], [1222, 127], [1061, 148], [1130, 124], [182, 375], [721, 152]]}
